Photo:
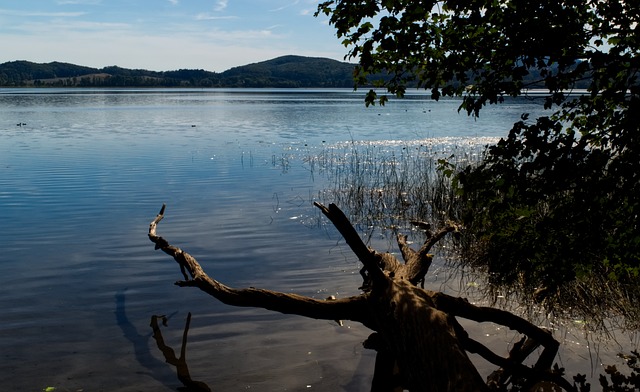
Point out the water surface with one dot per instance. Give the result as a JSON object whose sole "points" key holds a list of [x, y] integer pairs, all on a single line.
{"points": [[84, 173]]}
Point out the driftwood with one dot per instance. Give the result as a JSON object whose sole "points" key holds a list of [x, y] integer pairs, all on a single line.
{"points": [[420, 344]]}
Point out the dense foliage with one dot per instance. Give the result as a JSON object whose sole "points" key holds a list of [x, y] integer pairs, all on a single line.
{"points": [[286, 71], [554, 207]]}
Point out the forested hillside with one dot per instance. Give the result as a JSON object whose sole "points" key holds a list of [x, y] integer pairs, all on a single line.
{"points": [[286, 71]]}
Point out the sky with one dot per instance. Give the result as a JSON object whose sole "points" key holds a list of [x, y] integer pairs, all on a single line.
{"points": [[163, 35]]}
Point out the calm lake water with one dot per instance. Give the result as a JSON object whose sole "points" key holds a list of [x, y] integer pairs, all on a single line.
{"points": [[84, 173]]}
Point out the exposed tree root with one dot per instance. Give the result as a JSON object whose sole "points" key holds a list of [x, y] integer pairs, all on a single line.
{"points": [[421, 346]]}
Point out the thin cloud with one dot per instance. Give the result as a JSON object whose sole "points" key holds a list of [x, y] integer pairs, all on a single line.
{"points": [[221, 5], [66, 27], [75, 2], [41, 14], [284, 7], [239, 36], [209, 16]]}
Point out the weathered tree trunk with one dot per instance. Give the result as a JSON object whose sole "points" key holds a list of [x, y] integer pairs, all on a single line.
{"points": [[416, 329]]}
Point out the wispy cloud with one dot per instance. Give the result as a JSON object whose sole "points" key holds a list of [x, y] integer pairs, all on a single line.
{"points": [[85, 2], [210, 16], [221, 5], [68, 28], [41, 14], [173, 2], [284, 7], [240, 37]]}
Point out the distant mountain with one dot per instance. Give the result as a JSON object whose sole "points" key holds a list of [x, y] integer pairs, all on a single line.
{"points": [[286, 71], [291, 71]]}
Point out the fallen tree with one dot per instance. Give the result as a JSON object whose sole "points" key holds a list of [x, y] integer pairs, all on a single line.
{"points": [[420, 345]]}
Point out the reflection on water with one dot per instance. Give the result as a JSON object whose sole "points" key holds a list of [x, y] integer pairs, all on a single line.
{"points": [[139, 342], [182, 368], [81, 180]]}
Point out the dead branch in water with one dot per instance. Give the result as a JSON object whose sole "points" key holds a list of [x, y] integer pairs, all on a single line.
{"points": [[416, 330]]}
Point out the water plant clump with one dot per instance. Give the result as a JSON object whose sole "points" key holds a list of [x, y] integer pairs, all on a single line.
{"points": [[388, 184]]}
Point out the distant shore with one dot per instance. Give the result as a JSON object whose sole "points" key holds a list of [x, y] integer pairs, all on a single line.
{"points": [[285, 71]]}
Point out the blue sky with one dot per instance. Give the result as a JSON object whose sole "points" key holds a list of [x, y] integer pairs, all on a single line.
{"points": [[163, 34]]}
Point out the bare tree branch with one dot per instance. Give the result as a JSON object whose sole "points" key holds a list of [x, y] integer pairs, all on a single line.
{"points": [[462, 308], [352, 308], [366, 256]]}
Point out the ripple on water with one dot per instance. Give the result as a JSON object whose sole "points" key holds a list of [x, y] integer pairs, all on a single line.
{"points": [[79, 279]]}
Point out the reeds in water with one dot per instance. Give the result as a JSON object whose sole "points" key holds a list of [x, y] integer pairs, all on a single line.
{"points": [[390, 183]]}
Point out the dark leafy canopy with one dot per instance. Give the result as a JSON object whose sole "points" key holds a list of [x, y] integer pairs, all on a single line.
{"points": [[557, 201]]}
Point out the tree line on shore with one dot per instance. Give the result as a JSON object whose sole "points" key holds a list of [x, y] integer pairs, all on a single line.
{"points": [[283, 72]]}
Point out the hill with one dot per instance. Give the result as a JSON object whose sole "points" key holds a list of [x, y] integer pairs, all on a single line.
{"points": [[285, 71], [291, 71]]}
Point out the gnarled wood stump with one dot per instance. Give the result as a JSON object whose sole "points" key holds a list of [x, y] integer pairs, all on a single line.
{"points": [[416, 331]]}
